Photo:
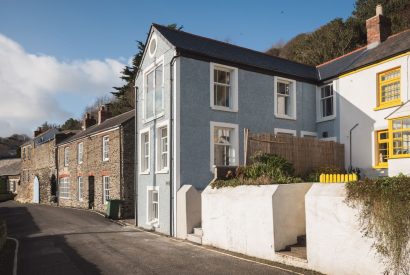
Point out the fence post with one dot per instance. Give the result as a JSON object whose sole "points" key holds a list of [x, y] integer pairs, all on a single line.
{"points": [[245, 145]]}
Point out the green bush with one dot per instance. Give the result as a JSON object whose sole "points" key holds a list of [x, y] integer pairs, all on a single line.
{"points": [[384, 215], [265, 169]]}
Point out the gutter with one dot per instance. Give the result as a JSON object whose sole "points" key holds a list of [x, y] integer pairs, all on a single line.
{"points": [[136, 157], [171, 149]]}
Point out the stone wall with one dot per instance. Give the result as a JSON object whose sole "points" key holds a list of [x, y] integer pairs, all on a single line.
{"points": [[41, 164], [121, 151]]}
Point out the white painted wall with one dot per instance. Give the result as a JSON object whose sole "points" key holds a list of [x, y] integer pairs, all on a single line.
{"points": [[334, 242], [188, 210], [397, 166], [254, 220], [357, 99]]}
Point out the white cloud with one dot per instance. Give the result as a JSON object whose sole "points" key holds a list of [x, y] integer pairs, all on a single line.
{"points": [[30, 86]]}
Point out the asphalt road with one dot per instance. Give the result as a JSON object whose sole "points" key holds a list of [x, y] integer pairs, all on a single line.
{"points": [[69, 241]]}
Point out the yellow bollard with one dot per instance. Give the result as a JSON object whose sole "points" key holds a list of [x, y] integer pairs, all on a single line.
{"points": [[322, 178]]}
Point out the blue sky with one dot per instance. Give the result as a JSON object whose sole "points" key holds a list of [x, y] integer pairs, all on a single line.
{"points": [[79, 35]]}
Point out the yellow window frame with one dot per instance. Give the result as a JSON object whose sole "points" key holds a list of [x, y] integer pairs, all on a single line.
{"points": [[381, 140], [391, 138], [381, 83]]}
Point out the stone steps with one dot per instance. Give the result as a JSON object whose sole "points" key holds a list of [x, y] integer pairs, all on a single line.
{"points": [[297, 250]]}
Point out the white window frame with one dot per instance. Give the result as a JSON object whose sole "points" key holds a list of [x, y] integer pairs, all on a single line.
{"points": [[235, 141], [105, 189], [66, 156], [142, 152], [234, 87], [159, 127], [80, 152], [106, 148], [150, 220], [158, 62], [284, 131], [319, 117], [80, 188], [66, 182], [307, 133], [292, 95]]}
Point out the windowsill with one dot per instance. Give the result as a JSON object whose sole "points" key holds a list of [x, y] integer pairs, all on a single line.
{"points": [[323, 119], [389, 105], [381, 166], [145, 172], [285, 117], [105, 160], [224, 109], [163, 171], [64, 198], [146, 120], [400, 156]]}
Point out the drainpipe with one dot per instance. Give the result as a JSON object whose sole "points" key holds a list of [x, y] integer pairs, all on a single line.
{"points": [[350, 146], [136, 158], [171, 140]]}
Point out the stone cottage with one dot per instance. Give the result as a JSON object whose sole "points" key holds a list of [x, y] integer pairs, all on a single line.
{"points": [[9, 175], [97, 164], [39, 166]]}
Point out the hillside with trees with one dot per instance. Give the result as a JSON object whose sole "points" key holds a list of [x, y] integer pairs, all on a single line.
{"points": [[340, 36]]}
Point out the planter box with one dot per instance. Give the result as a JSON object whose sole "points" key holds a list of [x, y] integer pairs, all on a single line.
{"points": [[254, 220]]}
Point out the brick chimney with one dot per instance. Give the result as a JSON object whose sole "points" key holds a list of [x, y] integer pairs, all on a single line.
{"points": [[88, 121], [38, 131], [104, 113], [378, 28]]}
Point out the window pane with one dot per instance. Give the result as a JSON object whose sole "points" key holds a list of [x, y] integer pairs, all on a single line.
{"points": [[222, 95], [158, 89], [149, 101], [223, 152], [283, 88]]}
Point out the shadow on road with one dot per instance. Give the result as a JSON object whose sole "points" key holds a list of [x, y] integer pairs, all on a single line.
{"points": [[41, 254]]}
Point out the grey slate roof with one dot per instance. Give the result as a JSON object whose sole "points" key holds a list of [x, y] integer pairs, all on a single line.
{"points": [[394, 45], [10, 167], [188, 43], [106, 125], [201, 47]]}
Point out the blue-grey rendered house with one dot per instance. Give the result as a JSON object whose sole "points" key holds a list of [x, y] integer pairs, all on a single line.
{"points": [[194, 98]]}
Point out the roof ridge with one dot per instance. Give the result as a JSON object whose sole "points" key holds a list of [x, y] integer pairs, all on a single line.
{"points": [[396, 34], [339, 57], [232, 45]]}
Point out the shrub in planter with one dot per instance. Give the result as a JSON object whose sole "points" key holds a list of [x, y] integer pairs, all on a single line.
{"points": [[384, 215], [265, 169]]}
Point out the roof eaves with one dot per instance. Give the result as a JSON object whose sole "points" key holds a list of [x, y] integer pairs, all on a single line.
{"points": [[204, 57]]}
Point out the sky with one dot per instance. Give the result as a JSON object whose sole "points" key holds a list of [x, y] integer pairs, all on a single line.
{"points": [[56, 57]]}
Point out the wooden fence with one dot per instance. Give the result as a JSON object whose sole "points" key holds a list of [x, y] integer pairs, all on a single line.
{"points": [[307, 154]]}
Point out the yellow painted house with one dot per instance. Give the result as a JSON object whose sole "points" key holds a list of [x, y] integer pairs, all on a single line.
{"points": [[372, 93]]}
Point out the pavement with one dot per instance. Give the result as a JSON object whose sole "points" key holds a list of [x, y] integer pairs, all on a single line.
{"points": [[54, 240]]}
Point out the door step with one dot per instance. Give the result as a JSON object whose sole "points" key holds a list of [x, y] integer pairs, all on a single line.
{"points": [[196, 237], [297, 250]]}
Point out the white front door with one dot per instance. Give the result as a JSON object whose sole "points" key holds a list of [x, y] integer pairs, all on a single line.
{"points": [[36, 191]]}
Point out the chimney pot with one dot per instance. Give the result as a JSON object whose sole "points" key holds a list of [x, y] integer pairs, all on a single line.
{"points": [[103, 113], [88, 121], [38, 131], [379, 9]]}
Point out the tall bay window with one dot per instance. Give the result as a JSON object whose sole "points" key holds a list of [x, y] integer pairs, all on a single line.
{"points": [[154, 92]]}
